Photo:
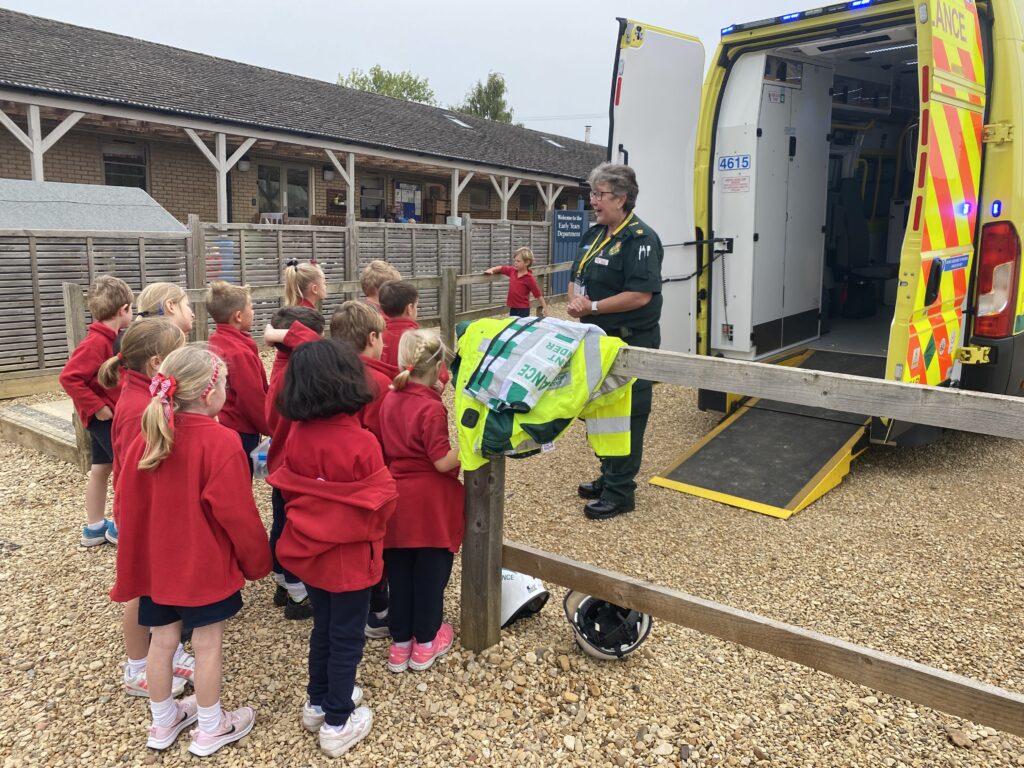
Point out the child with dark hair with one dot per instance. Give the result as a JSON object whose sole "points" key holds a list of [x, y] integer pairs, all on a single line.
{"points": [[290, 327], [230, 306], [338, 504], [399, 301]]}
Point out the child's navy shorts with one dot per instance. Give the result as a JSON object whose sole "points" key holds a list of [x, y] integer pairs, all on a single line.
{"points": [[102, 449], [191, 617], [519, 311]]}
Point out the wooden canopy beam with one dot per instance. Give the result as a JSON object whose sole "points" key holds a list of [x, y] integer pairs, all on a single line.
{"points": [[221, 164], [34, 141]]}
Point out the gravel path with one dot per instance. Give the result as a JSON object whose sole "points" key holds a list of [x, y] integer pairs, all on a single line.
{"points": [[917, 553]]}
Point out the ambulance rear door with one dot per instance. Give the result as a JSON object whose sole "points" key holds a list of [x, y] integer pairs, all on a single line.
{"points": [[655, 105], [938, 247]]}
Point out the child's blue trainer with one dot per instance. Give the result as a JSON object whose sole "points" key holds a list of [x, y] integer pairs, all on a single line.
{"points": [[110, 532], [93, 538]]}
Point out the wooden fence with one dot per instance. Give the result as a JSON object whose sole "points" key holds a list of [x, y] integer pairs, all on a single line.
{"points": [[485, 551], [33, 342]]}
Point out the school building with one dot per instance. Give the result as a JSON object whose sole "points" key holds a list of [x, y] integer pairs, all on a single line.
{"points": [[242, 144]]}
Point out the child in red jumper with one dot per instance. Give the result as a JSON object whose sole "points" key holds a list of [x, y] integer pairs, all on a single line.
{"points": [[191, 537], [143, 347], [110, 303], [230, 306], [399, 302], [339, 503], [290, 327], [427, 527], [521, 283], [359, 324], [304, 284]]}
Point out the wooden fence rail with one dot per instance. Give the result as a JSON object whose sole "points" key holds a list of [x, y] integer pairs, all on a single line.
{"points": [[485, 552]]}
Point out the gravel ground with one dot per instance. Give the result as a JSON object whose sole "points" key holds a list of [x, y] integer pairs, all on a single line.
{"points": [[917, 553]]}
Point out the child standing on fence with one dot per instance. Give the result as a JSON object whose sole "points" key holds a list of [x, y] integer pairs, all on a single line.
{"points": [[399, 301], [521, 283], [427, 527], [290, 327], [110, 303], [184, 481], [373, 276], [339, 503], [360, 325], [304, 284], [143, 347], [230, 306], [166, 300]]}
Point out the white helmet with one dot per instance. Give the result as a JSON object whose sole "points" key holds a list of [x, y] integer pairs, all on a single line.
{"points": [[521, 596], [604, 630]]}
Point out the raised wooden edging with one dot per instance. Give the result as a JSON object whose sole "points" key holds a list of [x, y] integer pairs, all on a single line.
{"points": [[484, 552]]}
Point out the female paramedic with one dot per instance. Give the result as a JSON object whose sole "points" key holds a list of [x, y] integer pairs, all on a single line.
{"points": [[617, 286]]}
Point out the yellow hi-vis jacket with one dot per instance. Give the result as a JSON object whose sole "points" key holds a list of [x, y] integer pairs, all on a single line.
{"points": [[583, 389]]}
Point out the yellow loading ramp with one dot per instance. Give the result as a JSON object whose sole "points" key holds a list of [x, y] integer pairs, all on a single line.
{"points": [[773, 457]]}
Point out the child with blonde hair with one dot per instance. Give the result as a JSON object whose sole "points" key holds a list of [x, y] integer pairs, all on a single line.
{"points": [[521, 283], [143, 347], [110, 303], [373, 276], [166, 300], [230, 306], [427, 527], [304, 284], [191, 538]]}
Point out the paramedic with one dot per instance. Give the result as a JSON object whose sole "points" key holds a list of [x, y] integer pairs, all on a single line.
{"points": [[617, 286]]}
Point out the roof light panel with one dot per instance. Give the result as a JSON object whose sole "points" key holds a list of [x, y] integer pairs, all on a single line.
{"points": [[851, 5]]}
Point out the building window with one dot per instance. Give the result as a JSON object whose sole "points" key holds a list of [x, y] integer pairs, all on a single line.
{"points": [[408, 200], [291, 197], [371, 197], [124, 165], [479, 198], [528, 200]]}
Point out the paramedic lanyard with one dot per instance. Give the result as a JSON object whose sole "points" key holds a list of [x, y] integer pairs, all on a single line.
{"points": [[592, 251]]}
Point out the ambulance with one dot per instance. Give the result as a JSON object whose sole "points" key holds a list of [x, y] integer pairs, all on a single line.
{"points": [[845, 193]]}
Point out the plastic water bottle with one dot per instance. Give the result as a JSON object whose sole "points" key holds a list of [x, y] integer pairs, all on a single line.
{"points": [[259, 458]]}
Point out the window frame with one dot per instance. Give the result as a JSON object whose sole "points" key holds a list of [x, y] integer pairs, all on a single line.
{"points": [[283, 168], [144, 147]]}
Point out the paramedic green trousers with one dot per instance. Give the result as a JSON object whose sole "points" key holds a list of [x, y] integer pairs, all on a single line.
{"points": [[618, 473]]}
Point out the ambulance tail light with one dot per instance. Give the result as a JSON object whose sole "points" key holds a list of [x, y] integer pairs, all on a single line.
{"points": [[998, 270]]}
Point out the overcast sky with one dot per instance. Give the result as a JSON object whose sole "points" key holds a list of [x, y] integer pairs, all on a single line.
{"points": [[556, 56]]}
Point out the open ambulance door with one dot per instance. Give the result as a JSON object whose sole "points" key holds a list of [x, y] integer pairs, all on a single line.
{"points": [[655, 104], [938, 248]]}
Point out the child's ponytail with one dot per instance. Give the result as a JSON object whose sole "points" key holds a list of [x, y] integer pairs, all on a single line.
{"points": [[420, 354], [297, 280], [145, 339], [109, 375], [186, 376]]}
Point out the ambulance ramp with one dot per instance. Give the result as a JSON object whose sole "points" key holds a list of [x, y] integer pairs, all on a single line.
{"points": [[776, 458]]}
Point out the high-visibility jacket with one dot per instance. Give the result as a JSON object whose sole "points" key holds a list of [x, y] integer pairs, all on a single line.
{"points": [[582, 390]]}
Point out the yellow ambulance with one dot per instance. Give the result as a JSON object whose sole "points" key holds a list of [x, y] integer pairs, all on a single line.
{"points": [[844, 193]]}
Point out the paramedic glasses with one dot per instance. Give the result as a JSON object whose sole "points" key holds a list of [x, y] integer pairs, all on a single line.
{"points": [[597, 195]]}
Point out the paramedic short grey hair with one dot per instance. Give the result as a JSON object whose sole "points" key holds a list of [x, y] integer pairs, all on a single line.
{"points": [[621, 181]]}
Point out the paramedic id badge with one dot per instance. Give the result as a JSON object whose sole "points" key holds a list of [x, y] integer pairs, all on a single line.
{"points": [[579, 289]]}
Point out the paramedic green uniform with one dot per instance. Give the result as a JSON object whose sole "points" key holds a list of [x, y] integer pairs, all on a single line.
{"points": [[630, 260]]}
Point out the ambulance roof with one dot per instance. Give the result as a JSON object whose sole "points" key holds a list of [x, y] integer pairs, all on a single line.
{"points": [[850, 5]]}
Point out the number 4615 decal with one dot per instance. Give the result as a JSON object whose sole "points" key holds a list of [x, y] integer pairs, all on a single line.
{"points": [[734, 163]]}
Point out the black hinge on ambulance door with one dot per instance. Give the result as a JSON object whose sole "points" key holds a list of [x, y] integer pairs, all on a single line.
{"points": [[792, 146]]}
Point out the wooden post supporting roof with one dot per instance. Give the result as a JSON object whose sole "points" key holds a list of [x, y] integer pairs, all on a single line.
{"points": [[348, 175], [34, 141], [505, 193], [221, 164], [457, 189], [549, 195]]}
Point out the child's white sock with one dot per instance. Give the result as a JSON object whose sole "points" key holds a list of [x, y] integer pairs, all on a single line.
{"points": [[331, 730], [96, 526], [179, 653], [296, 591], [164, 712], [381, 614], [209, 718], [406, 644], [278, 578], [317, 708], [428, 646], [135, 667]]}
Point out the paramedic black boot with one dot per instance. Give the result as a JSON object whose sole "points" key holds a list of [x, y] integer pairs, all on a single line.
{"points": [[605, 510], [591, 490]]}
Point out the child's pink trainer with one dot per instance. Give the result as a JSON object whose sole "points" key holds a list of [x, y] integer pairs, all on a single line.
{"points": [[423, 658], [398, 657]]}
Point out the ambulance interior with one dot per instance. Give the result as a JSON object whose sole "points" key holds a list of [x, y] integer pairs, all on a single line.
{"points": [[815, 157]]}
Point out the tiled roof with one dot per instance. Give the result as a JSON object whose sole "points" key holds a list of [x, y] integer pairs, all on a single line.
{"points": [[43, 55]]}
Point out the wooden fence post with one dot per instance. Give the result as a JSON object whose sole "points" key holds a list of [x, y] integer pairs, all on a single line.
{"points": [[195, 274], [74, 327], [447, 299], [352, 250], [481, 556], [467, 260]]}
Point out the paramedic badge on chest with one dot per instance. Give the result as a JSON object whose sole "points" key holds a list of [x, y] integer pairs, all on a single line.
{"points": [[615, 249]]}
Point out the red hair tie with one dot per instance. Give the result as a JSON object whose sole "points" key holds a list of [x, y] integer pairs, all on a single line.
{"points": [[120, 358], [214, 376], [164, 387], [410, 368]]}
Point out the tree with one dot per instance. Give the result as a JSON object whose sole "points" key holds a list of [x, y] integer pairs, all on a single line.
{"points": [[401, 85], [487, 100]]}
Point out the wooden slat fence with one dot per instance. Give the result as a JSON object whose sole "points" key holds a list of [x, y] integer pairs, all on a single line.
{"points": [[485, 551]]}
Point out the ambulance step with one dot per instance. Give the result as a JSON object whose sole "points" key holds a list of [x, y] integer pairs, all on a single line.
{"points": [[776, 458]]}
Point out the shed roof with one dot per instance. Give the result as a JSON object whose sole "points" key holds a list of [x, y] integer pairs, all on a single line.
{"points": [[52, 205], [44, 55]]}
